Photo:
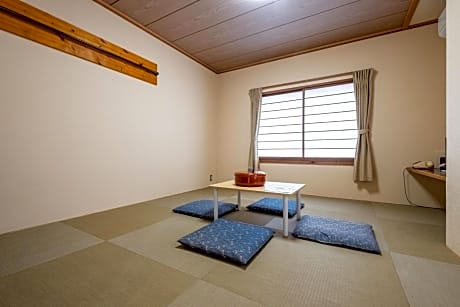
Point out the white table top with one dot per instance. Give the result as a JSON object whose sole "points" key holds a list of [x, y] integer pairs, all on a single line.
{"points": [[282, 188]]}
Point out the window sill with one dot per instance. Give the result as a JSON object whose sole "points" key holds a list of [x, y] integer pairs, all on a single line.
{"points": [[314, 161]]}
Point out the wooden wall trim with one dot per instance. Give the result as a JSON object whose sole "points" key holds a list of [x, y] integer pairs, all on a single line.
{"points": [[31, 23]]}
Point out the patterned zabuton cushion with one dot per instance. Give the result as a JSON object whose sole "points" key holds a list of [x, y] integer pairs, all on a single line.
{"points": [[274, 206], [205, 209], [231, 240], [337, 232]]}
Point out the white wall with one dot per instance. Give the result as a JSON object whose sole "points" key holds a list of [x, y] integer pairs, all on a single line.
{"points": [[409, 113], [453, 128], [78, 138]]}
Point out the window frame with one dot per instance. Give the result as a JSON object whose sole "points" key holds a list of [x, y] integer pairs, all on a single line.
{"points": [[307, 160]]}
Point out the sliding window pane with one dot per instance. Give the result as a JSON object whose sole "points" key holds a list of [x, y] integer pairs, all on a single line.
{"points": [[323, 125]]}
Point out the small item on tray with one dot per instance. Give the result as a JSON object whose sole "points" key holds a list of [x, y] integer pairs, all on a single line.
{"points": [[246, 179]]}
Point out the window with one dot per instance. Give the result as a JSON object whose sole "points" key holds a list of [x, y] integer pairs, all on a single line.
{"points": [[313, 124]]}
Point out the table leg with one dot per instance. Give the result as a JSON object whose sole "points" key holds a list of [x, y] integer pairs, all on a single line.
{"points": [[239, 200], [299, 214], [216, 208], [285, 216]]}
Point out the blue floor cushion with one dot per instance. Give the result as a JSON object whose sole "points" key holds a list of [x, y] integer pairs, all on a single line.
{"points": [[230, 240], [274, 206], [337, 232], [205, 209]]}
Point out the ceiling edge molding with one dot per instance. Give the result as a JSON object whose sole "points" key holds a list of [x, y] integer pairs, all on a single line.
{"points": [[410, 12]]}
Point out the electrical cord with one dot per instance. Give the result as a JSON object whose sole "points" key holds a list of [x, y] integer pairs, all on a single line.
{"points": [[404, 172], [405, 189]]}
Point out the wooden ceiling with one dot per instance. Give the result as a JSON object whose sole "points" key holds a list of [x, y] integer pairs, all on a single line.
{"points": [[225, 35]]}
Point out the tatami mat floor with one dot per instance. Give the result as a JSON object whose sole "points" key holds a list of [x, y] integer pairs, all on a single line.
{"points": [[130, 257]]}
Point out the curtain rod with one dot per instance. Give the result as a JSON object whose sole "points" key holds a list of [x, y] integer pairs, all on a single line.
{"points": [[308, 80]]}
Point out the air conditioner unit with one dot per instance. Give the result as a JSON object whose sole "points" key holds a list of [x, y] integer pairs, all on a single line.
{"points": [[442, 24]]}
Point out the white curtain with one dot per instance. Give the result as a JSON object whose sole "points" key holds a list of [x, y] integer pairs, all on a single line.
{"points": [[255, 95], [364, 90]]}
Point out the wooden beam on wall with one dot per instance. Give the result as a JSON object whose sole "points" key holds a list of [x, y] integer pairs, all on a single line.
{"points": [[31, 23]]}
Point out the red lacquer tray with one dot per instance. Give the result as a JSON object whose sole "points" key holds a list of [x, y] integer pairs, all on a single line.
{"points": [[246, 179]]}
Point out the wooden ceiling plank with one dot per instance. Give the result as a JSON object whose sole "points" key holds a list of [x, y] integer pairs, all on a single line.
{"points": [[174, 12], [208, 31], [327, 21], [75, 32], [234, 66], [270, 16], [205, 14], [325, 38], [147, 11], [58, 42], [410, 12]]}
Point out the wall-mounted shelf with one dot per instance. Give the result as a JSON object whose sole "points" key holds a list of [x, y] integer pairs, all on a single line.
{"points": [[435, 173]]}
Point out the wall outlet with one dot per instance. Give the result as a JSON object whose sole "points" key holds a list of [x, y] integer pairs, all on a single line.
{"points": [[210, 177]]}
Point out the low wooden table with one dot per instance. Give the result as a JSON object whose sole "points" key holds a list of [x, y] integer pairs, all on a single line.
{"points": [[278, 188]]}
